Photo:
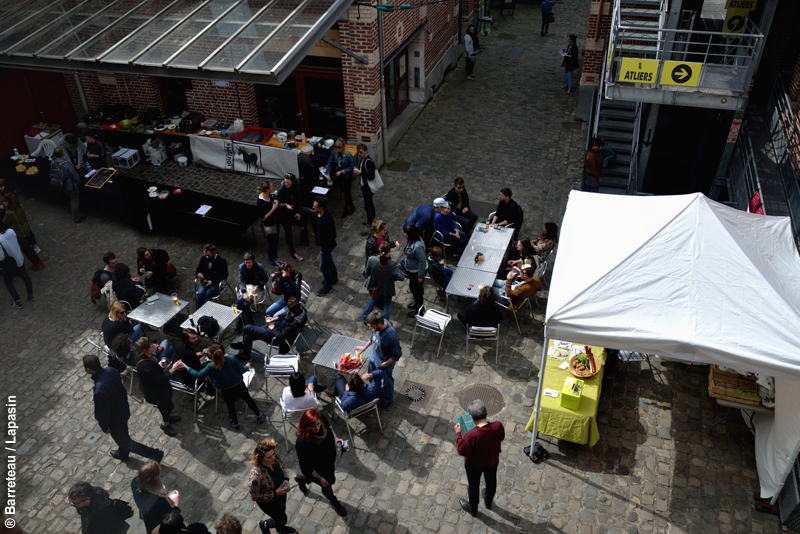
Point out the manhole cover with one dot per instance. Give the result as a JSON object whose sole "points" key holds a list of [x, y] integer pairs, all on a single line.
{"points": [[489, 395], [415, 394]]}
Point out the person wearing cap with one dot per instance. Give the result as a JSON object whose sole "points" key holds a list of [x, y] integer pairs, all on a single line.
{"points": [[444, 222], [422, 217]]}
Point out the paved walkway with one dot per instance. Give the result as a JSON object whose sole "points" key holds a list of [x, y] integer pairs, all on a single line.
{"points": [[654, 469]]}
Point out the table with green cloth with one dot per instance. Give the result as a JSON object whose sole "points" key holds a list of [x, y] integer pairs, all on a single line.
{"points": [[577, 426]]}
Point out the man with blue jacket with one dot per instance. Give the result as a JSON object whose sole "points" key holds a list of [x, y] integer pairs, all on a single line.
{"points": [[356, 392], [251, 273], [71, 183], [422, 217], [112, 411]]}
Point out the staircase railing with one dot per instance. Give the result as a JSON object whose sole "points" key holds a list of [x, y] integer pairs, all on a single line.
{"points": [[633, 169]]}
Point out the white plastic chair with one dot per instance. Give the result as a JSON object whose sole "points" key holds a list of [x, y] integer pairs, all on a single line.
{"points": [[433, 321], [46, 147], [291, 417], [279, 366], [361, 410], [484, 333]]}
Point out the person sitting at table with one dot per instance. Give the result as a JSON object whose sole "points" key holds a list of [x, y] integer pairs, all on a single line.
{"points": [[422, 217], [358, 390], [95, 152], [508, 211], [445, 223], [546, 242], [74, 150], [459, 200], [122, 352], [253, 274], [153, 265], [301, 394], [521, 254], [127, 288], [484, 312], [511, 293], [117, 322], [438, 271], [283, 332], [187, 353], [288, 283], [291, 211], [211, 270]]}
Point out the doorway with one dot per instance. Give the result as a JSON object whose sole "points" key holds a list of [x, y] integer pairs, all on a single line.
{"points": [[396, 78]]}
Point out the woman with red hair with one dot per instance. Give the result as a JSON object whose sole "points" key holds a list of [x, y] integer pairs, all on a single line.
{"points": [[316, 453]]}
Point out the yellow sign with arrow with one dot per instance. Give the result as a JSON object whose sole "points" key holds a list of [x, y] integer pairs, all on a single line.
{"points": [[682, 73]]}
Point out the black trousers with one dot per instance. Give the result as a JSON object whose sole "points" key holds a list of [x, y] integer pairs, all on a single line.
{"points": [[470, 66], [474, 481], [545, 21], [231, 395], [345, 183], [276, 510], [369, 206], [326, 491], [165, 407], [119, 433], [417, 289]]}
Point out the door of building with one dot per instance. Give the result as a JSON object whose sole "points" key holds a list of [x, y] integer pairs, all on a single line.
{"points": [[395, 76]]}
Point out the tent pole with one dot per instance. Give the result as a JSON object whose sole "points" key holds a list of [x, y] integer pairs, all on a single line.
{"points": [[539, 396], [785, 475]]}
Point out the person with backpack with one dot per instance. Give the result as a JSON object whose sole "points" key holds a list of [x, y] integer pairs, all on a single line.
{"points": [[98, 512], [64, 176], [13, 264]]}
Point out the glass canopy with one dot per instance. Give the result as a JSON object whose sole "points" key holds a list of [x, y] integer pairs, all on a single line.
{"points": [[253, 40]]}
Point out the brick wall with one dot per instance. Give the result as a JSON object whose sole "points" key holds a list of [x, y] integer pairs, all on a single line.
{"points": [[141, 93], [595, 41], [794, 86], [221, 103]]}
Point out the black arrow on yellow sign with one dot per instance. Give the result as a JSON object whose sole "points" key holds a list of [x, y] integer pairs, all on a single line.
{"points": [[735, 23], [681, 73]]}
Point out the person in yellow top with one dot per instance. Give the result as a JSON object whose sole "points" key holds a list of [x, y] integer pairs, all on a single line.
{"points": [[517, 293]]}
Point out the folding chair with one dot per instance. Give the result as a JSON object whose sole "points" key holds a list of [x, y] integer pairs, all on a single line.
{"points": [[291, 417], [279, 366], [361, 410], [223, 285], [540, 274], [627, 357], [180, 387], [305, 295], [510, 308], [433, 321], [484, 333], [439, 238]]}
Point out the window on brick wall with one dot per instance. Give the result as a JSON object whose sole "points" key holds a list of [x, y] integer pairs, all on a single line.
{"points": [[396, 79]]}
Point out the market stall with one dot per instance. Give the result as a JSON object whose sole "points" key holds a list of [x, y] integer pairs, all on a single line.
{"points": [[688, 279]]}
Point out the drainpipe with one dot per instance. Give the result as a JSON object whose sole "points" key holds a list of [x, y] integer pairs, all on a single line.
{"points": [[80, 92], [384, 120]]}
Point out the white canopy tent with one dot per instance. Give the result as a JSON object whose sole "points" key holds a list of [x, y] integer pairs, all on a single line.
{"points": [[685, 278]]}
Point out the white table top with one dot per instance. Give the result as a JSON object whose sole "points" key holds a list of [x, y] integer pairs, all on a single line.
{"points": [[492, 259], [495, 238], [335, 347], [223, 314], [159, 313], [463, 277]]}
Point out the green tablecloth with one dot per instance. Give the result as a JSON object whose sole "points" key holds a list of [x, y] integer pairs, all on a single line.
{"points": [[577, 426]]}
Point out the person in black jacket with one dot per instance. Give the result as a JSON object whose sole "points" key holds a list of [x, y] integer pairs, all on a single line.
{"points": [[284, 332], [570, 62], [152, 265], [326, 239], [484, 312], [187, 353], [366, 173], [291, 211], [508, 212], [112, 411], [316, 454], [96, 510], [117, 323], [125, 287], [459, 201], [211, 270], [289, 283], [155, 382]]}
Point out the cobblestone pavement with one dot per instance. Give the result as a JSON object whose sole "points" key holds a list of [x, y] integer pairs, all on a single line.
{"points": [[655, 468]]}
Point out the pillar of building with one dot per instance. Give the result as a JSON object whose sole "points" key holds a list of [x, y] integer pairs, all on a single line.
{"points": [[599, 26]]}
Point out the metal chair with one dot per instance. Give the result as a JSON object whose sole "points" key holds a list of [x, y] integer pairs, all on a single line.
{"points": [[433, 321], [255, 301], [305, 295], [102, 349], [279, 366], [361, 410], [540, 274], [484, 333], [510, 307], [180, 387], [223, 285], [291, 417], [439, 238]]}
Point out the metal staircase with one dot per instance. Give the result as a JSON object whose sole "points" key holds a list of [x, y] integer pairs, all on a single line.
{"points": [[616, 127], [648, 16]]}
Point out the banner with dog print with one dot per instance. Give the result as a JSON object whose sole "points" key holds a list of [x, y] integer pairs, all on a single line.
{"points": [[245, 158]]}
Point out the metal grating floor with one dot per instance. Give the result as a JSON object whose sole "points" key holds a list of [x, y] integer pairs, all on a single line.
{"points": [[489, 395], [415, 394]]}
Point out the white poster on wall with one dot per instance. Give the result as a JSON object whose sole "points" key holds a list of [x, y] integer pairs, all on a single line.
{"points": [[245, 158]]}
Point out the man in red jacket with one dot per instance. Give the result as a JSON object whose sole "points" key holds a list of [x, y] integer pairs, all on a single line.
{"points": [[480, 448]]}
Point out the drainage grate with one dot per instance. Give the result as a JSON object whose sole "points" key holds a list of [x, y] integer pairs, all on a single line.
{"points": [[489, 395], [515, 52], [415, 394]]}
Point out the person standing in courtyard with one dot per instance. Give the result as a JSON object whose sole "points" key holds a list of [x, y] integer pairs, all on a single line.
{"points": [[570, 62], [316, 454], [269, 486], [471, 46], [111, 410], [386, 351], [366, 174], [480, 448], [13, 265], [96, 510], [326, 240], [71, 182], [547, 12]]}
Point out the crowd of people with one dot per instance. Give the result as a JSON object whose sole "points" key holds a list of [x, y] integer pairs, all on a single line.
{"points": [[431, 229]]}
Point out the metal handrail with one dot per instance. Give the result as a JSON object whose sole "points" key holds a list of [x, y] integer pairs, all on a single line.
{"points": [[633, 169]]}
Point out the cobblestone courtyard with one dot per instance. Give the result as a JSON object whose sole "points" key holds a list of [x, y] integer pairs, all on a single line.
{"points": [[655, 469]]}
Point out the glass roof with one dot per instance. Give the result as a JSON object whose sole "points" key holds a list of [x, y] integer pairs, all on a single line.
{"points": [[168, 37]]}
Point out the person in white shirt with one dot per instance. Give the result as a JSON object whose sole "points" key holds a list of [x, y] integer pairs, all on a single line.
{"points": [[301, 394], [12, 262]]}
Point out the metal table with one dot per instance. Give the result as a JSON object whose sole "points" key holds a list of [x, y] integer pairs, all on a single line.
{"points": [[463, 278], [223, 314], [495, 238], [157, 314], [335, 347], [492, 259]]}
